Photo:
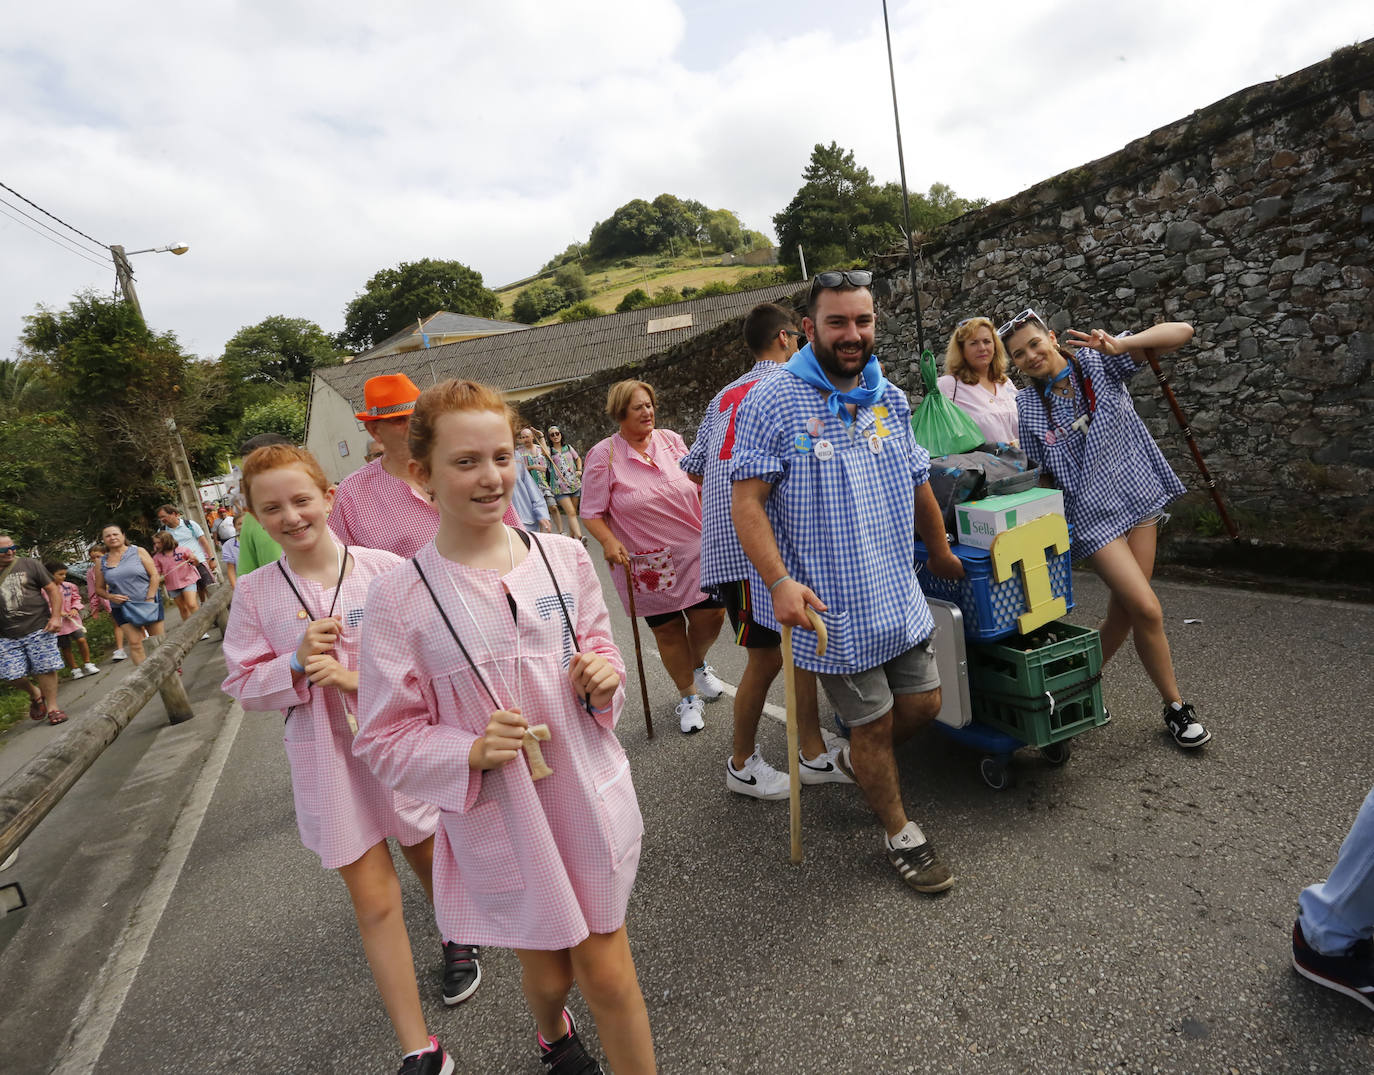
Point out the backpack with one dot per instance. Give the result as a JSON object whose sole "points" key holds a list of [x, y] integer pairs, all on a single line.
{"points": [[992, 470]]}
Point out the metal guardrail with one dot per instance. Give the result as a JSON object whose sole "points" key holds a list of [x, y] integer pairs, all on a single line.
{"points": [[28, 795]]}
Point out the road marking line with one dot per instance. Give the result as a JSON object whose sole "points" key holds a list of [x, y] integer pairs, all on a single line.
{"points": [[96, 1016]]}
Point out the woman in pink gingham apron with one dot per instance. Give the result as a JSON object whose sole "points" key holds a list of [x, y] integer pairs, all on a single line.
{"points": [[292, 644], [487, 635], [646, 512]]}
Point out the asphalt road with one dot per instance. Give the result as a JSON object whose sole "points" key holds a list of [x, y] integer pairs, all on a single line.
{"points": [[1128, 912]]}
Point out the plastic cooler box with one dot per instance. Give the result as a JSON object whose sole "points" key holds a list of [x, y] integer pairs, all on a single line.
{"points": [[1042, 687], [990, 608]]}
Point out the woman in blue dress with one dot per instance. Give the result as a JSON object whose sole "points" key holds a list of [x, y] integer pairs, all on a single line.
{"points": [[1076, 420]]}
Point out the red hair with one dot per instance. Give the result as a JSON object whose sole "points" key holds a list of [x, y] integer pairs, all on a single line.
{"points": [[274, 457], [450, 397]]}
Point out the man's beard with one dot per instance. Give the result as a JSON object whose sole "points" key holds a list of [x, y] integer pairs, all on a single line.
{"points": [[831, 362]]}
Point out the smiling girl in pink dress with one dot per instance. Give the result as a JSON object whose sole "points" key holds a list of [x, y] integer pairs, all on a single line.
{"points": [[488, 633], [292, 644]]}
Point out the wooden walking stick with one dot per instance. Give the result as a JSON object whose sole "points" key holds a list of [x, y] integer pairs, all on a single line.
{"points": [[1192, 444], [639, 653], [789, 671]]}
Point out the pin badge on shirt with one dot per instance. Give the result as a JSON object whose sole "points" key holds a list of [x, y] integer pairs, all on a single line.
{"points": [[815, 426], [875, 443], [802, 443], [824, 450], [301, 614]]}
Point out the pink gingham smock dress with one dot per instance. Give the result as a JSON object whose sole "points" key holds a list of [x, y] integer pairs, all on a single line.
{"points": [[655, 510], [341, 808], [517, 864]]}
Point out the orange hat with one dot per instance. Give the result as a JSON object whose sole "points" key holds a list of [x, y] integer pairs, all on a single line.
{"points": [[392, 395]]}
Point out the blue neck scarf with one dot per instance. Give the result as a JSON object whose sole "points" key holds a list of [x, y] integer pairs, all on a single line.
{"points": [[872, 384]]}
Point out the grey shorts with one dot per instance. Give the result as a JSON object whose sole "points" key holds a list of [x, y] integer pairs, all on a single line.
{"points": [[865, 696]]}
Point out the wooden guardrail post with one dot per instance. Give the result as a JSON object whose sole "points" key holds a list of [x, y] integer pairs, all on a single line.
{"points": [[174, 697]]}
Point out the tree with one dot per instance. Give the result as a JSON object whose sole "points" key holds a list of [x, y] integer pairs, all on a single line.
{"points": [[573, 281], [580, 312], [118, 384], [540, 299], [283, 414], [840, 213], [635, 228], [666, 295], [395, 298], [634, 299], [724, 229], [278, 350]]}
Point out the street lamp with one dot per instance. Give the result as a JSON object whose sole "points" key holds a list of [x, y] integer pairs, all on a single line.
{"points": [[181, 466], [124, 272]]}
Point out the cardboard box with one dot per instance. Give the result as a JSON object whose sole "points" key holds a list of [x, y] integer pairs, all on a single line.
{"points": [[980, 521]]}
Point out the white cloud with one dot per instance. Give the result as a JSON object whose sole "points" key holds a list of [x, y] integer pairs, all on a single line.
{"points": [[301, 146]]}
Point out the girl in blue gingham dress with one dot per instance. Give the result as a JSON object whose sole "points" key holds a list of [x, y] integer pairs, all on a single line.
{"points": [[1077, 421]]}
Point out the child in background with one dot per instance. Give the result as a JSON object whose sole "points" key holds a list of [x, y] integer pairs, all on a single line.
{"points": [[292, 645], [229, 555], [486, 624], [71, 629], [179, 572]]}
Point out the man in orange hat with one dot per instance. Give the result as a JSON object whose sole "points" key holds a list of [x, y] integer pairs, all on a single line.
{"points": [[380, 505]]}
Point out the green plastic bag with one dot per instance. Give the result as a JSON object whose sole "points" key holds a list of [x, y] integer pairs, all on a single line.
{"points": [[939, 426]]}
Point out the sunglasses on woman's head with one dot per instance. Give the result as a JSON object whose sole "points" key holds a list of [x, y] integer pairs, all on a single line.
{"points": [[1025, 317]]}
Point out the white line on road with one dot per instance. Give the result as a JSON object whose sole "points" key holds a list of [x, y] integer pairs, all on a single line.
{"points": [[96, 1017]]}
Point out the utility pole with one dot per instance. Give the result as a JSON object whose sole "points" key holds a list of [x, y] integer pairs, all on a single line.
{"points": [[124, 274]]}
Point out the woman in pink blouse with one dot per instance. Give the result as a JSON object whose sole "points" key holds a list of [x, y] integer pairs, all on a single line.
{"points": [[646, 512], [976, 382]]}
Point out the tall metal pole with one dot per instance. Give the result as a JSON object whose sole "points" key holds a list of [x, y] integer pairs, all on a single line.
{"points": [[906, 203]]}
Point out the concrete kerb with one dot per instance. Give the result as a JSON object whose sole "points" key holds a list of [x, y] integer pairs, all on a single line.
{"points": [[28, 796]]}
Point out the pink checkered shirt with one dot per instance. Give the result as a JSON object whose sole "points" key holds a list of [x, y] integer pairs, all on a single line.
{"points": [[376, 510], [517, 864]]}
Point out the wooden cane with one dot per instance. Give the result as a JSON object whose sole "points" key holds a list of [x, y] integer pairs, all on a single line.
{"points": [[639, 652], [789, 671], [1192, 444]]}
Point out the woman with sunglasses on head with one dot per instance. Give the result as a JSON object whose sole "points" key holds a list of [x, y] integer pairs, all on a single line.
{"points": [[565, 479], [976, 381], [1077, 421], [535, 457]]}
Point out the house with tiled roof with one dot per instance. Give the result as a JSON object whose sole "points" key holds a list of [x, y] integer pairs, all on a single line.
{"points": [[520, 364], [438, 328]]}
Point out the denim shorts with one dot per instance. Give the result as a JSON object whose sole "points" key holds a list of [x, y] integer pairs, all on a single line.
{"points": [[866, 696]]}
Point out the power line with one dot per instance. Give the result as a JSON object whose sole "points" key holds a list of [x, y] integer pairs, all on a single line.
{"points": [[61, 244], [46, 227], [103, 246]]}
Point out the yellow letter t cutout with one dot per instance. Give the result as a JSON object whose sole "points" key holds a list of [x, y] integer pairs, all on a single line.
{"points": [[1026, 545]]}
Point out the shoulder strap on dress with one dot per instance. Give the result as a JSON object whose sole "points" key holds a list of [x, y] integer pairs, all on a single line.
{"points": [[448, 623]]}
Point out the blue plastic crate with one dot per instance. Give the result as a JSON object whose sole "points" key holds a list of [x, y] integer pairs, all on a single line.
{"points": [[990, 608]]}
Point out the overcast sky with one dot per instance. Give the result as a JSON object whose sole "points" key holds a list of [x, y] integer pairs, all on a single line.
{"points": [[298, 147]]}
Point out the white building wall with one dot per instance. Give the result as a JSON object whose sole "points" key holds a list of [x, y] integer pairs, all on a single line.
{"points": [[333, 431]]}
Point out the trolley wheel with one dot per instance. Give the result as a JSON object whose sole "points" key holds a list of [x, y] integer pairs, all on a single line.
{"points": [[994, 772], [1057, 753]]}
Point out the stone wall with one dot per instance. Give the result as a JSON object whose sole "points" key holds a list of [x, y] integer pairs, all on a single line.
{"points": [[1252, 219], [684, 379]]}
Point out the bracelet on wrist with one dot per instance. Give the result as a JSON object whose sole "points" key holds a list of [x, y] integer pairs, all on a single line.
{"points": [[778, 582], [296, 665]]}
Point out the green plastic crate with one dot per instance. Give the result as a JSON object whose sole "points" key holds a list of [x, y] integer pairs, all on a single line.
{"points": [[1043, 687]]}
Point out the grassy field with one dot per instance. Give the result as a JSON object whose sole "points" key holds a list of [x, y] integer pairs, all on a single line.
{"points": [[609, 286]]}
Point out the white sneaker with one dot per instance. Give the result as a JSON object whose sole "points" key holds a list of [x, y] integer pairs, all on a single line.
{"points": [[119, 655], [758, 779], [90, 669], [77, 673], [832, 767], [691, 714], [708, 686]]}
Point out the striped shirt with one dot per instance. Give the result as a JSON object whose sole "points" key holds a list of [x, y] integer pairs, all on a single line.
{"points": [[843, 511]]}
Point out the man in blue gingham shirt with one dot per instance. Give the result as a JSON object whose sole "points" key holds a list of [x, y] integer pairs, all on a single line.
{"points": [[771, 334], [828, 484]]}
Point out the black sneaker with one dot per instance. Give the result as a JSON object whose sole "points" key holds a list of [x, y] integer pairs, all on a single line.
{"points": [[433, 1061], [1351, 974], [920, 867], [567, 1056], [1184, 726], [462, 971]]}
